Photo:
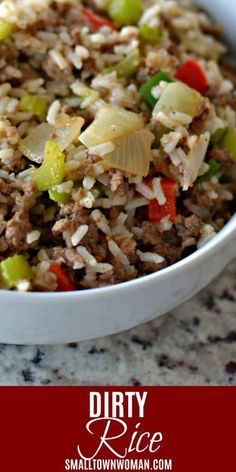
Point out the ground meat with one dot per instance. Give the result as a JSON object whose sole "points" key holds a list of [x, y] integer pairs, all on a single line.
{"points": [[29, 188], [95, 243], [128, 246], [122, 273], [172, 254], [61, 8], [76, 34], [188, 227], [229, 72], [17, 229], [219, 99], [117, 182], [150, 267], [72, 208], [16, 165], [5, 188], [53, 71], [212, 29], [199, 202], [220, 155], [25, 56], [67, 227], [70, 256], [150, 233], [61, 225], [36, 26], [86, 169], [199, 123], [3, 245], [165, 244], [7, 52]]}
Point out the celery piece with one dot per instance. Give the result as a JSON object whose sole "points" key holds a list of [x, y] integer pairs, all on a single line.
{"points": [[217, 136], [33, 104], [52, 170], [228, 142], [5, 30], [214, 168], [125, 12], [146, 89], [13, 269], [129, 65], [59, 197], [149, 34]]}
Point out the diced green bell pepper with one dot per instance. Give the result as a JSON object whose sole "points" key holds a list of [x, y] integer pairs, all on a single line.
{"points": [[125, 12], [129, 65], [14, 269], [149, 34], [217, 136], [228, 142], [146, 89], [59, 197], [214, 168], [52, 170], [159, 134]]}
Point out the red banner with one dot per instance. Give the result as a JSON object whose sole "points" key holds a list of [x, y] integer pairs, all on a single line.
{"points": [[161, 428]]}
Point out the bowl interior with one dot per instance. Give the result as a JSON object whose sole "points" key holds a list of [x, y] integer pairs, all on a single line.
{"points": [[224, 13]]}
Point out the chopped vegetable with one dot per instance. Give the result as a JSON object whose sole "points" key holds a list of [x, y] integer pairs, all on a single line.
{"points": [[149, 34], [214, 168], [194, 160], [86, 94], [63, 282], [178, 97], [162, 166], [228, 142], [156, 211], [14, 269], [96, 21], [125, 12], [60, 197], [110, 123], [129, 65], [33, 145], [192, 74], [133, 153], [52, 170], [159, 134], [146, 89], [34, 104], [6, 29], [217, 136], [38, 209]]}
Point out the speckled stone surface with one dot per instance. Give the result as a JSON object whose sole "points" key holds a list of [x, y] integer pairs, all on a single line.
{"points": [[193, 345]]}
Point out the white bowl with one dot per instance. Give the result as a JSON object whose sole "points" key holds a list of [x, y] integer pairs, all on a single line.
{"points": [[45, 318], [39, 318], [224, 12]]}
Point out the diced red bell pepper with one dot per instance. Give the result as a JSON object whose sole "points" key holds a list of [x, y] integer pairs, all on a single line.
{"points": [[155, 211], [63, 282], [96, 21], [192, 74], [162, 167], [159, 166]]}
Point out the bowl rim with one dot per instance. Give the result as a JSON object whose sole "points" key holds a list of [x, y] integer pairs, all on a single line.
{"points": [[225, 234]]}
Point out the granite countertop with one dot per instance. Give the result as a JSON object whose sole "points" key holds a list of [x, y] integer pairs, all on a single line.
{"points": [[193, 345]]}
